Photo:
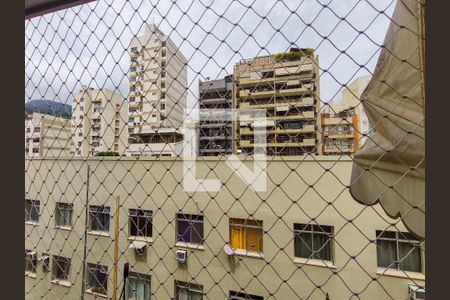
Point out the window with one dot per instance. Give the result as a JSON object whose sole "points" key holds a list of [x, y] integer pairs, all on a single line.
{"points": [[243, 296], [188, 291], [37, 129], [134, 49], [313, 241], [163, 95], [398, 250], [190, 228], [28, 129], [138, 286], [80, 134], [99, 218], [30, 261], [140, 222], [35, 150], [61, 268], [163, 106], [97, 279], [132, 69], [246, 234], [63, 214], [32, 208]]}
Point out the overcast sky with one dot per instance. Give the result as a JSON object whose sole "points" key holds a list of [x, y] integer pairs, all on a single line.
{"points": [[88, 44]]}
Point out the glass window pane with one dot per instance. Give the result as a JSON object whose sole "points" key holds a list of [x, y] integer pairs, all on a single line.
{"points": [[303, 245], [386, 254], [237, 237], [254, 239], [197, 233], [409, 257], [322, 246], [183, 231], [133, 226], [68, 216]]}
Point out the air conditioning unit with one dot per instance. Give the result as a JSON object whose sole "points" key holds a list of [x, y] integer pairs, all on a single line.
{"points": [[416, 292], [181, 256]]}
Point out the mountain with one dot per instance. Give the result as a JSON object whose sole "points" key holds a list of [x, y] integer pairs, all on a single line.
{"points": [[49, 107]]}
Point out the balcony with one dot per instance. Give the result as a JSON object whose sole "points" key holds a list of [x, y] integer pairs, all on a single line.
{"points": [[340, 134], [337, 149], [284, 144], [213, 101], [337, 121], [292, 92], [283, 71], [214, 137], [95, 116], [135, 104], [256, 94], [299, 116], [301, 102]]}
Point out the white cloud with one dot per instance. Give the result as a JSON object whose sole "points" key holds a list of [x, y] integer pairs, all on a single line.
{"points": [[88, 44]]}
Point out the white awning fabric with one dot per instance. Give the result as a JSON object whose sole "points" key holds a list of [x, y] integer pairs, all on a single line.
{"points": [[390, 167]]}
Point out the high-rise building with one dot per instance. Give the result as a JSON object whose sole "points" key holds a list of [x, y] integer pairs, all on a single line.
{"points": [[215, 131], [340, 131], [351, 99], [46, 135], [158, 92], [287, 86], [98, 122]]}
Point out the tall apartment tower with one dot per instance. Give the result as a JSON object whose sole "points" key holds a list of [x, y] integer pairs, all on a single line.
{"points": [[158, 92], [351, 99], [340, 131], [98, 122], [287, 86], [46, 135], [216, 133]]}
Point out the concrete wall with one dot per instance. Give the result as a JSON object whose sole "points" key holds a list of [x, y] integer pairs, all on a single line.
{"points": [[299, 189]]}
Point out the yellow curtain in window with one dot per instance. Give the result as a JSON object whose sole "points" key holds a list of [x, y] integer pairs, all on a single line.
{"points": [[237, 234]]}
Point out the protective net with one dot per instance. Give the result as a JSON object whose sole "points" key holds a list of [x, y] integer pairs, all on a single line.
{"points": [[200, 149]]}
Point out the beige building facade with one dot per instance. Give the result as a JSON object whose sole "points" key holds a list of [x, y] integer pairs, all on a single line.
{"points": [[351, 99], [267, 264], [289, 89], [46, 135], [158, 92], [98, 122], [340, 132]]}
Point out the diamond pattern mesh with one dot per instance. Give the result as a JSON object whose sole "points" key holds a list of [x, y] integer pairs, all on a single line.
{"points": [[113, 95]]}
